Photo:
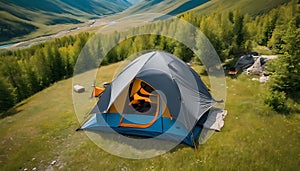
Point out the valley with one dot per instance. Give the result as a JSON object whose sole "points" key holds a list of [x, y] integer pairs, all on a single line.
{"points": [[38, 115], [24, 25]]}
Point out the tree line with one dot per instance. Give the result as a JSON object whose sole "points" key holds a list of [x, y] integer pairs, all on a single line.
{"points": [[27, 71], [233, 34]]}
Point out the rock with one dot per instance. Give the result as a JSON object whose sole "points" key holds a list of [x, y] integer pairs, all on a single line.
{"points": [[78, 89], [263, 79], [53, 162], [34, 169]]}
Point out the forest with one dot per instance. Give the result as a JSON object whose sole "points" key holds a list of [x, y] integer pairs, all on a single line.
{"points": [[27, 71]]}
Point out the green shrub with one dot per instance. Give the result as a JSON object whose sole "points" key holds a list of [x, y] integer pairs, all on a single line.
{"points": [[276, 100]]}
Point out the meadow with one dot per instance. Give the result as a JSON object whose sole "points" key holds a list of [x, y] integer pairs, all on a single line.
{"points": [[41, 129]]}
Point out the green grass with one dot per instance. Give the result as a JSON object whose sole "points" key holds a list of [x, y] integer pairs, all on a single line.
{"points": [[254, 138], [263, 50]]}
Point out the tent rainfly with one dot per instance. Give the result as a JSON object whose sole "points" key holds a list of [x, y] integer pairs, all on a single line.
{"points": [[157, 94]]}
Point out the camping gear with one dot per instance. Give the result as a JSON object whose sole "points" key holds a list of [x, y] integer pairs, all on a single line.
{"points": [[215, 120], [253, 53], [97, 91], [78, 88], [232, 71], [157, 94], [105, 84], [244, 62]]}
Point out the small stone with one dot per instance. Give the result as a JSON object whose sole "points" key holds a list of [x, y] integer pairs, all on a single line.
{"points": [[53, 162], [34, 169]]}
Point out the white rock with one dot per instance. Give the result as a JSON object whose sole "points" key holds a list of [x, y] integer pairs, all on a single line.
{"points": [[263, 79], [53, 162], [78, 88]]}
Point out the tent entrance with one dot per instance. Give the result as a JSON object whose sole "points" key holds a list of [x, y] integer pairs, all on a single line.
{"points": [[139, 105], [140, 125]]}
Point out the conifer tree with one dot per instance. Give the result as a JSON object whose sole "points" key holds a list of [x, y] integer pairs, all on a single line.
{"points": [[7, 96]]}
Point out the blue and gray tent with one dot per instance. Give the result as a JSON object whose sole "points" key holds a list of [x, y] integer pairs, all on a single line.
{"points": [[157, 94]]}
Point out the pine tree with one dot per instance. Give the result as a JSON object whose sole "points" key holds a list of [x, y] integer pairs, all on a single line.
{"points": [[287, 67], [269, 27], [7, 96], [291, 38], [239, 37], [275, 43], [287, 73]]}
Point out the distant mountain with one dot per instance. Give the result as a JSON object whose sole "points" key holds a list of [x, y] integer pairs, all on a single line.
{"points": [[21, 17], [171, 7], [252, 7], [175, 7]]}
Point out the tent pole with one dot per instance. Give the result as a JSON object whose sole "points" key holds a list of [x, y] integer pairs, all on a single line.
{"points": [[195, 147]]}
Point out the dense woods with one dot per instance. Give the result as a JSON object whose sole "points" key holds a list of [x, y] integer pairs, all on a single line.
{"points": [[27, 71], [234, 33]]}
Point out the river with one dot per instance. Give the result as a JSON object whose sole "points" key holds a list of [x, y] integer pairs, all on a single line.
{"points": [[40, 39]]}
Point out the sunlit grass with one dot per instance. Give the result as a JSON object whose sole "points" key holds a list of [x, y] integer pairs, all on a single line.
{"points": [[254, 138]]}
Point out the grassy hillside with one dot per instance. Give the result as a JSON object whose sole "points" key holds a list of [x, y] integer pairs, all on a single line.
{"points": [[244, 6], [43, 130], [170, 7], [12, 26], [19, 18]]}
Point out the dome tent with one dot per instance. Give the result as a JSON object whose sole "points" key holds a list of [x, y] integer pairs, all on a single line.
{"points": [[177, 101]]}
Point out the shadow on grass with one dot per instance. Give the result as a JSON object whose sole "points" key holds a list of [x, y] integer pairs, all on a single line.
{"points": [[12, 111], [291, 105], [180, 146], [132, 142], [295, 98]]}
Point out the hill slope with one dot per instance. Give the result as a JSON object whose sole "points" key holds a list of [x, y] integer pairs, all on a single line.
{"points": [[37, 18], [175, 7], [244, 6], [43, 130], [19, 18], [171, 7]]}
